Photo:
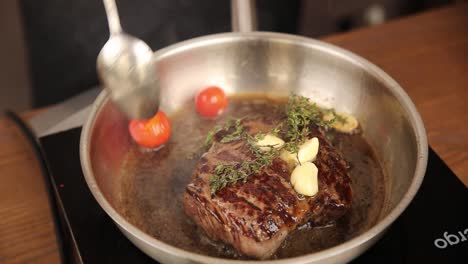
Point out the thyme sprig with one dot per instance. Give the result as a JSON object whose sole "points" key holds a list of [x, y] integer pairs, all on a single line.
{"points": [[209, 137], [236, 134], [300, 115], [339, 118], [225, 174]]}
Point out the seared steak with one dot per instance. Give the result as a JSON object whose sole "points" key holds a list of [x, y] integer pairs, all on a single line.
{"points": [[256, 216]]}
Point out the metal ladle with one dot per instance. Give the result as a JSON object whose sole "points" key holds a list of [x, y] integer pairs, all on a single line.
{"points": [[127, 69]]}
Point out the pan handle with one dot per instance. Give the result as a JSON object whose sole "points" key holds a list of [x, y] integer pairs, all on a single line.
{"points": [[243, 16]]}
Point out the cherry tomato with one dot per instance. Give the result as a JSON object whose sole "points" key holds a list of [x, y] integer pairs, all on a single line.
{"points": [[211, 102], [152, 132]]}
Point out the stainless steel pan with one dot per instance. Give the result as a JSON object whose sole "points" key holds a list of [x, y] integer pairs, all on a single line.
{"points": [[273, 63]]}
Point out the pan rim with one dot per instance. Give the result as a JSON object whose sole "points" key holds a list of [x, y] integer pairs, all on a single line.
{"points": [[396, 90]]}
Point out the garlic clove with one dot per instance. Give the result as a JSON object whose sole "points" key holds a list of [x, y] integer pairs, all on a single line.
{"points": [[308, 151], [290, 158], [349, 125], [269, 141], [304, 179]]}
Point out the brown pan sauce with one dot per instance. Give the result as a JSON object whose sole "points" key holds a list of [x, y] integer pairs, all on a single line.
{"points": [[154, 181]]}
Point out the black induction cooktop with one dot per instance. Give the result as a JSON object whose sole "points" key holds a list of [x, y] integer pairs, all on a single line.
{"points": [[433, 229]]}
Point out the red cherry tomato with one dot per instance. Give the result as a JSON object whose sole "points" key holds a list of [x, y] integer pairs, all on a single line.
{"points": [[152, 132], [211, 102]]}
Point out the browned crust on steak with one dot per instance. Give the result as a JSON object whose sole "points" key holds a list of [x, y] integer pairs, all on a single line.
{"points": [[256, 216]]}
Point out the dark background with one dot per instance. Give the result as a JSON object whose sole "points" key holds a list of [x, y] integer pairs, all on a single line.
{"points": [[64, 37]]}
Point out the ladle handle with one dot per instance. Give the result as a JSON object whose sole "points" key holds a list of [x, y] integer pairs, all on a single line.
{"points": [[112, 17], [243, 16]]}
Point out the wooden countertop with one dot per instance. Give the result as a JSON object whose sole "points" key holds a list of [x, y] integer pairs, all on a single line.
{"points": [[427, 54]]}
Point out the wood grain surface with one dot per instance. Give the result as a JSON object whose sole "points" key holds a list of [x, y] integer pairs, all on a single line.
{"points": [[427, 54], [26, 227]]}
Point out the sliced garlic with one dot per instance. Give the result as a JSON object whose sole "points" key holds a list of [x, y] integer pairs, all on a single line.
{"points": [[304, 179], [307, 152], [348, 126], [269, 141]]}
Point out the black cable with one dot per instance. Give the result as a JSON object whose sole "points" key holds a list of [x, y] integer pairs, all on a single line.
{"points": [[58, 227]]}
